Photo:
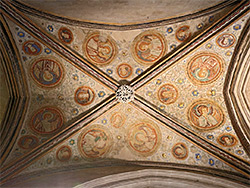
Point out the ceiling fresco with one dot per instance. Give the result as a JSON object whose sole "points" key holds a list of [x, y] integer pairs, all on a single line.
{"points": [[162, 93]]}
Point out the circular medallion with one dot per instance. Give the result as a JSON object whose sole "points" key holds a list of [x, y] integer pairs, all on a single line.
{"points": [[47, 72], [183, 33], [148, 47], [117, 120], [99, 49], [28, 142], [205, 115], [84, 95], [225, 40], [167, 94], [180, 151], [32, 48], [143, 138], [47, 120], [65, 35], [124, 70], [204, 68], [227, 140], [94, 142], [63, 154], [125, 94]]}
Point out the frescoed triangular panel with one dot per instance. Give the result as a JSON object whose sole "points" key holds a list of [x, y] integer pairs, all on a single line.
{"points": [[124, 55], [120, 135], [191, 90], [59, 92]]}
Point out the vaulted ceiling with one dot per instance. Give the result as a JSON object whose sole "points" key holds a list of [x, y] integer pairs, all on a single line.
{"points": [[94, 84]]}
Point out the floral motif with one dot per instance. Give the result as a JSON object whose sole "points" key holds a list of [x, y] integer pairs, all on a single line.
{"points": [[21, 34], [169, 30], [237, 27], [109, 71], [101, 94], [72, 142], [47, 50], [50, 28], [195, 93], [200, 26], [211, 162], [198, 156], [138, 71]]}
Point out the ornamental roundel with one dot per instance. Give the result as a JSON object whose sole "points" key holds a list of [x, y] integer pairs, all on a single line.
{"points": [[204, 68], [63, 154], [99, 49], [32, 48], [28, 142], [94, 142], [65, 35], [183, 33], [180, 151], [117, 120], [47, 120], [227, 140], [167, 94], [47, 72], [205, 115], [143, 138], [84, 95], [148, 47], [225, 40], [124, 70]]}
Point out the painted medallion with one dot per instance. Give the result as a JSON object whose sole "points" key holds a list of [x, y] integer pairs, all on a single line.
{"points": [[225, 40], [167, 94], [65, 35], [117, 120], [144, 138], [124, 70], [32, 48], [47, 72], [149, 47], [63, 154], [183, 33], [204, 68], [28, 142], [205, 115], [227, 140], [99, 49], [84, 95], [94, 142], [180, 151], [47, 120]]}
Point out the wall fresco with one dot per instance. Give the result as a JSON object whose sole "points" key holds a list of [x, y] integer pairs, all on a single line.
{"points": [[204, 68], [65, 35], [47, 120], [148, 47], [99, 49], [47, 72], [95, 142], [167, 94], [205, 115], [63, 153], [32, 48], [143, 138]]}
